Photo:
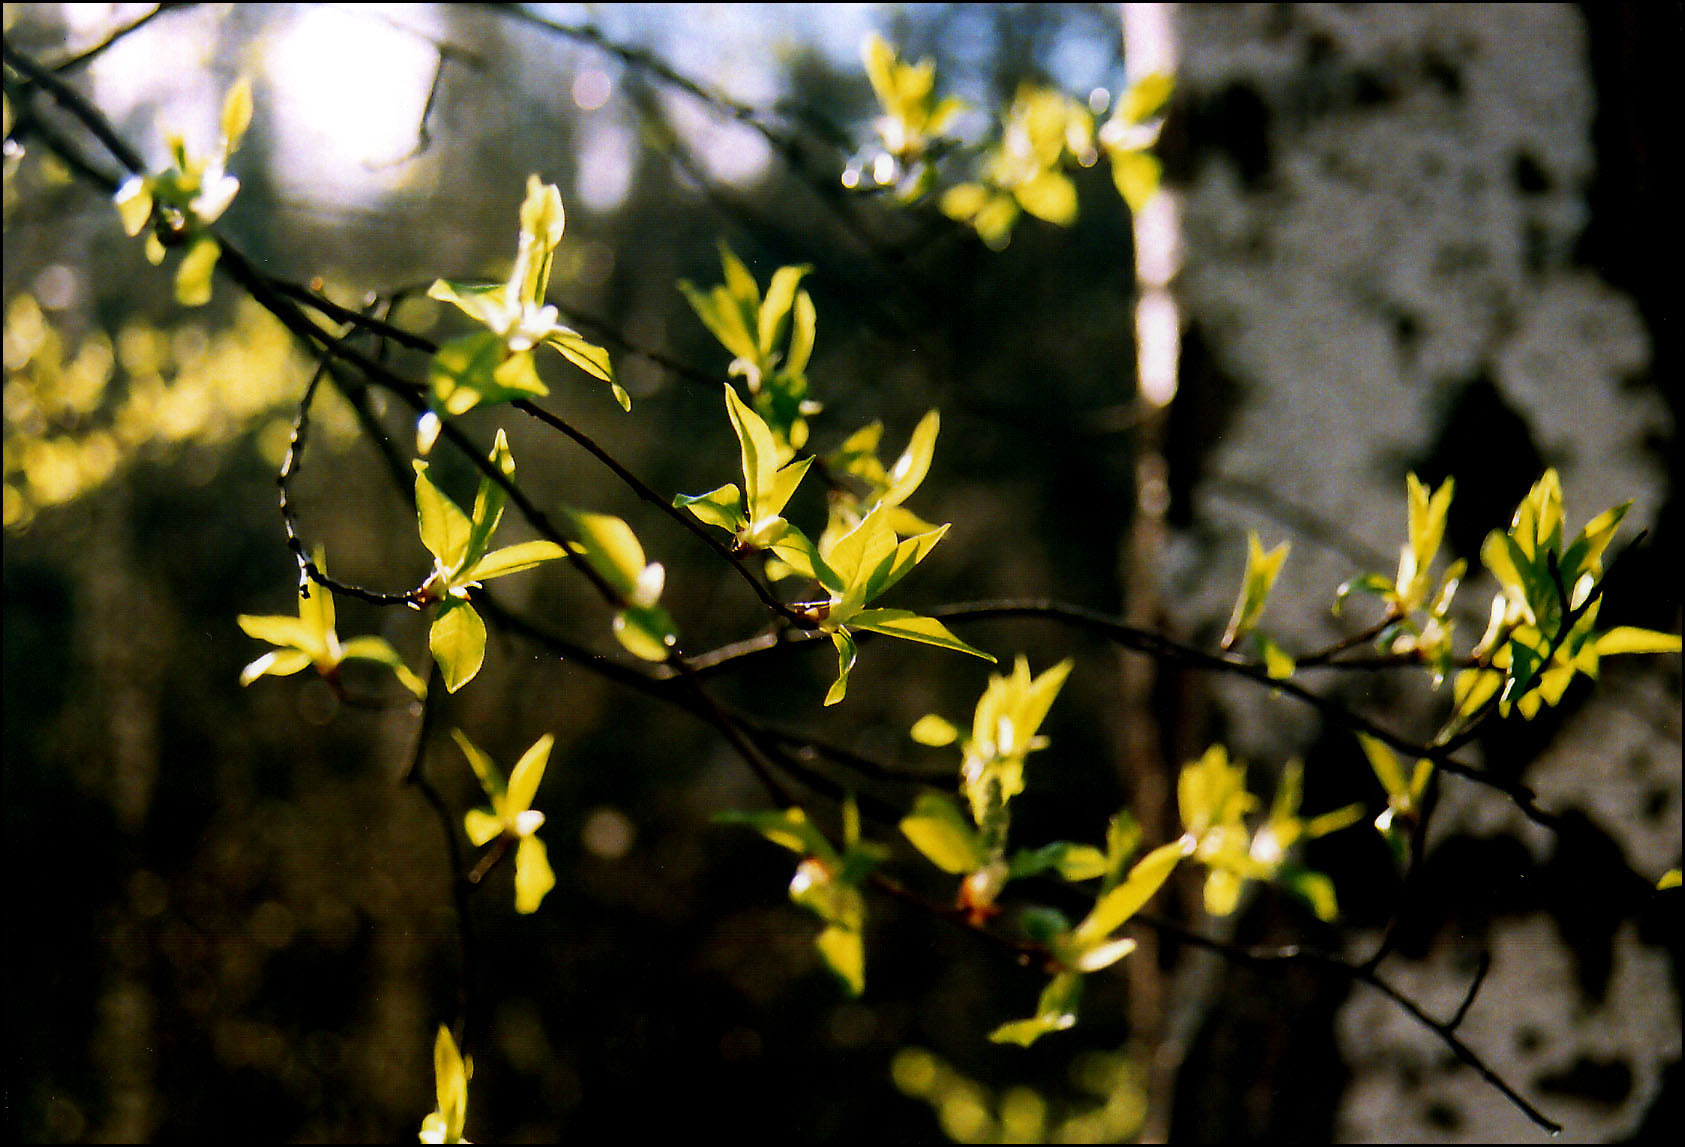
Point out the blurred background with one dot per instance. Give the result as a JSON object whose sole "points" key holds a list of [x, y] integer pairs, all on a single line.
{"points": [[1392, 239]]}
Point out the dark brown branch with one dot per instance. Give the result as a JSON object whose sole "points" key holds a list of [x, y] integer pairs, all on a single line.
{"points": [[1364, 974], [416, 775], [77, 105]]}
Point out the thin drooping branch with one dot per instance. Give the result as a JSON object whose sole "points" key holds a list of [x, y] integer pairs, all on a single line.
{"points": [[309, 570], [1445, 1030], [416, 775], [77, 105]]}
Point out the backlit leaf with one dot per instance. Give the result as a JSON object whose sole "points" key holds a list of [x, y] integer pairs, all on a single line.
{"points": [[844, 951], [193, 277], [533, 875], [943, 834], [458, 641], [911, 627], [1122, 902], [1261, 571], [445, 529]]}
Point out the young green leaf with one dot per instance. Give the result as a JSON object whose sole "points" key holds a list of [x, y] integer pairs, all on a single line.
{"points": [[309, 640], [640, 624], [1056, 1010], [1261, 571], [451, 1073], [457, 638], [458, 544], [941, 832], [511, 815]]}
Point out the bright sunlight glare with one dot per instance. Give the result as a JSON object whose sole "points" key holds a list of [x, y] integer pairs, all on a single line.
{"points": [[347, 89]]}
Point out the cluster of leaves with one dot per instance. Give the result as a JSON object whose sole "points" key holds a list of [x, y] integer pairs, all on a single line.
{"points": [[861, 553], [496, 364], [182, 200], [1023, 165], [310, 641], [1543, 628], [827, 882], [1542, 633]]}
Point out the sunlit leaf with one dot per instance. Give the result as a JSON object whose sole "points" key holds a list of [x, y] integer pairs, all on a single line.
{"points": [[935, 731], [1146, 97], [789, 828], [911, 627], [512, 559], [1055, 1011], [722, 507], [847, 653], [646, 632], [1051, 196], [458, 641], [1631, 639], [1122, 902], [533, 875], [450, 1074], [942, 833], [611, 547], [445, 529], [1073, 862], [1261, 571], [844, 952], [775, 309], [276, 663], [380, 651], [1317, 892], [134, 203], [193, 277], [1137, 175], [236, 113], [1278, 663]]}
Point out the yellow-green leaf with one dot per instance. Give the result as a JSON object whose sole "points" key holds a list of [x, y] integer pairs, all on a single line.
{"points": [[236, 113], [1278, 663], [802, 331], [586, 355], [528, 772], [934, 731], [942, 833], [1122, 902], [611, 547], [911, 627], [844, 951], [722, 507], [276, 663], [910, 469], [1146, 97], [533, 875], [780, 296], [134, 203], [512, 559], [847, 652], [450, 1075], [482, 826], [1386, 766], [380, 651], [458, 641], [646, 632], [1050, 195], [1631, 639], [193, 277], [1261, 571], [1137, 175], [445, 529]]}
